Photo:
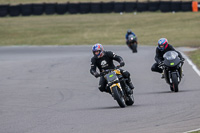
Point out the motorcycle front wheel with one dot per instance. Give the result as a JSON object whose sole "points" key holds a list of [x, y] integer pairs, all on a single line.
{"points": [[118, 96], [134, 47], [175, 82]]}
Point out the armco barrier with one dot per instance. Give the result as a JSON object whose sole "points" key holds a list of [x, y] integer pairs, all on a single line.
{"points": [[38, 9], [3, 10], [89, 7], [165, 6], [130, 6], [176, 6], [153, 6], [73, 8], [61, 8], [14, 10], [49, 8], [107, 7], [142, 6], [26, 9], [96, 7], [186, 6], [85, 8], [119, 7]]}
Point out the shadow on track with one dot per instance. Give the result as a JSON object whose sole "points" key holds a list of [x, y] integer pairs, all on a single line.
{"points": [[166, 92], [108, 108]]}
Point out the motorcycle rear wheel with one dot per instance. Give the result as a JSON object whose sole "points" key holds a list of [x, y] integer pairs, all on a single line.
{"points": [[130, 100], [118, 96]]}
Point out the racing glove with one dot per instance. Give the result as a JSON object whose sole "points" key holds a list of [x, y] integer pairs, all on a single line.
{"points": [[122, 64], [96, 74]]}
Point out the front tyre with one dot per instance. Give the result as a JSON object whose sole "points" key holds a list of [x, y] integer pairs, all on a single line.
{"points": [[134, 47], [171, 88], [118, 96], [175, 82]]}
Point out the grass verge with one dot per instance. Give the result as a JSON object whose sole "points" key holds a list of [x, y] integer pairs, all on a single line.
{"points": [[195, 57], [181, 29]]}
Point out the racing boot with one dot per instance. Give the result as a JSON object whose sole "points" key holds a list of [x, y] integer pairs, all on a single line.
{"points": [[163, 76], [131, 87], [107, 90]]}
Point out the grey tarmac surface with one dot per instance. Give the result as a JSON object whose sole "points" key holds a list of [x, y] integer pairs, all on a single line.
{"points": [[49, 89]]}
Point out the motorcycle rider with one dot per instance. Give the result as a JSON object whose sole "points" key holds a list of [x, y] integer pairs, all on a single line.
{"points": [[162, 48], [129, 32], [104, 60]]}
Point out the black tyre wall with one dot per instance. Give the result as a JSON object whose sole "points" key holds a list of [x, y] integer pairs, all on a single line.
{"points": [[176, 6], [96, 7], [14, 10], [107, 7], [130, 6], [26, 9], [142, 6], [85, 7], [153, 6], [119, 7], [3, 10], [49, 8], [165, 6], [61, 8], [186, 6], [38, 9], [73, 8]]}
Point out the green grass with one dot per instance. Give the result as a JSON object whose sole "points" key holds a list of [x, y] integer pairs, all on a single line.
{"points": [[195, 57], [194, 132], [181, 29]]}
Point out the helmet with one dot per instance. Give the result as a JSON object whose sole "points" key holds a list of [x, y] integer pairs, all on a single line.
{"points": [[129, 31], [162, 42], [97, 47]]}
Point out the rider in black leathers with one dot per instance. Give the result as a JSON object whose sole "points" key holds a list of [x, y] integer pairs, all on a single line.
{"points": [[104, 60], [162, 48]]}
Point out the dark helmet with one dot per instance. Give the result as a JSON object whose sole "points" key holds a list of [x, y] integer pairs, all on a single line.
{"points": [[162, 42], [97, 47], [129, 31]]}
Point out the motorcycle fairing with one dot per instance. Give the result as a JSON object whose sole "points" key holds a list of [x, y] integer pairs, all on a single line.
{"points": [[111, 76], [171, 59]]}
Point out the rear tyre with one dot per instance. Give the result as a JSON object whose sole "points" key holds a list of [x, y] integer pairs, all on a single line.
{"points": [[130, 100], [118, 96], [171, 88], [175, 82]]}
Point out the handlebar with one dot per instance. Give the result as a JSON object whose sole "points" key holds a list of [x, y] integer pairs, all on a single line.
{"points": [[108, 70]]}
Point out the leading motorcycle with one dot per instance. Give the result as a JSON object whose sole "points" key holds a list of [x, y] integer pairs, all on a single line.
{"points": [[172, 67], [132, 43], [118, 87]]}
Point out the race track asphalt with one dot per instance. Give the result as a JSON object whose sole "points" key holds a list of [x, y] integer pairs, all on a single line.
{"points": [[48, 89]]}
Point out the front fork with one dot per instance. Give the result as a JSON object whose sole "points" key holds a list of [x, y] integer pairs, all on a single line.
{"points": [[177, 73]]}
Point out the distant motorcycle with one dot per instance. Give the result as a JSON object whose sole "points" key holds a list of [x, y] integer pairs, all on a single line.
{"points": [[132, 43], [172, 66], [118, 87]]}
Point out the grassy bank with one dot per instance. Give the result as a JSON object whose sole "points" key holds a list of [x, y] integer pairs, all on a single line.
{"points": [[181, 29], [195, 57]]}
